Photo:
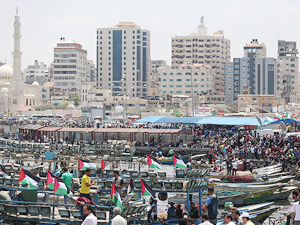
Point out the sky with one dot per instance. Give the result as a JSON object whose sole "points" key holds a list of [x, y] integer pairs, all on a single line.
{"points": [[44, 22]]}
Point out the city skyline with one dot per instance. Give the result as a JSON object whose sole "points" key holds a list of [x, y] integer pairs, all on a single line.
{"points": [[48, 22]]}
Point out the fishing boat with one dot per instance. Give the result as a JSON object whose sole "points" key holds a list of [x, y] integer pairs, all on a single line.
{"points": [[244, 187], [257, 217], [259, 181], [237, 198], [282, 193], [169, 160]]}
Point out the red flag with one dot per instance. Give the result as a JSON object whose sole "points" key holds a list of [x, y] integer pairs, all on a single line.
{"points": [[22, 175], [56, 184], [102, 166]]}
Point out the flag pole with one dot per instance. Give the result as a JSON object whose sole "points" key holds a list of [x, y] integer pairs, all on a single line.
{"points": [[53, 201]]}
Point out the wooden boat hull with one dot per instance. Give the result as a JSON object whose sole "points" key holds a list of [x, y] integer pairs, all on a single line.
{"points": [[282, 194], [169, 160], [219, 187], [237, 199], [258, 197]]}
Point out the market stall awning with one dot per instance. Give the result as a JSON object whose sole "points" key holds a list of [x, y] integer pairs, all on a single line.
{"points": [[184, 120], [234, 121], [77, 129], [50, 129], [150, 119]]}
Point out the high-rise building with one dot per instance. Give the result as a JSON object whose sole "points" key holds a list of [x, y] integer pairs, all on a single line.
{"points": [[155, 64], [37, 72], [153, 87], [254, 70], [91, 77], [200, 48], [185, 79], [69, 68], [123, 59], [287, 71]]}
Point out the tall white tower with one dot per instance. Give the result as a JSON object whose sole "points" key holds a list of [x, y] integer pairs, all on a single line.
{"points": [[16, 99], [202, 30]]}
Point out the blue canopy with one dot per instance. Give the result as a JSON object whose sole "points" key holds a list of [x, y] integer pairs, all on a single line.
{"points": [[214, 120], [234, 121], [149, 119], [185, 120], [285, 121]]}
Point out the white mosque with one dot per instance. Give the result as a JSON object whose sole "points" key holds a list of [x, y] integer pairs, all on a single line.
{"points": [[15, 96]]}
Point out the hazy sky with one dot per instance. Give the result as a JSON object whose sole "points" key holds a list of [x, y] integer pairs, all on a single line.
{"points": [[45, 21]]}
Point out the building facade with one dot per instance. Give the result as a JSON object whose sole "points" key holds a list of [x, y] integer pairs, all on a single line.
{"points": [[254, 70], [69, 68], [37, 72], [249, 103], [123, 59], [200, 48], [287, 70], [181, 80]]}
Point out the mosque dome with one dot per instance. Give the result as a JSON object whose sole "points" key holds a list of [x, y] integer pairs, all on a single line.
{"points": [[4, 90], [6, 71], [35, 83]]}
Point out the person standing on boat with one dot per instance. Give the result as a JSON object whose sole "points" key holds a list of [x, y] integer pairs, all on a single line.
{"points": [[229, 167], [119, 183], [69, 182], [211, 206], [86, 184], [246, 219], [234, 168]]}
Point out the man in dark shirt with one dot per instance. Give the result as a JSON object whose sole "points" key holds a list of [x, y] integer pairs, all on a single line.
{"points": [[119, 183], [183, 220], [194, 213], [178, 212], [171, 210]]}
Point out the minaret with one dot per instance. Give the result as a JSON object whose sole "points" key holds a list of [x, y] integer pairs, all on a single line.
{"points": [[202, 30], [17, 51], [17, 83]]}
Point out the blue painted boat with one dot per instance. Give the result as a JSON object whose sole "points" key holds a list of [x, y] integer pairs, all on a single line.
{"points": [[169, 160]]}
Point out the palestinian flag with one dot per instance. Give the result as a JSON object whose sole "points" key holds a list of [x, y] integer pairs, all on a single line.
{"points": [[60, 188], [277, 116], [50, 180], [254, 100], [177, 162], [153, 163], [83, 164], [102, 166], [130, 186], [4, 173], [28, 178], [146, 190], [115, 197]]}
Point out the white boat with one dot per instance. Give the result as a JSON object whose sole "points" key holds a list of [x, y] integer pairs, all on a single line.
{"points": [[244, 187]]}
